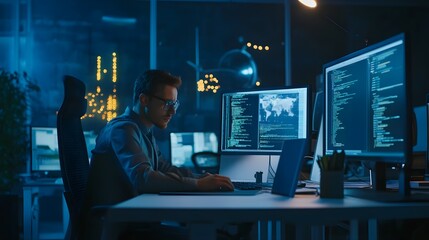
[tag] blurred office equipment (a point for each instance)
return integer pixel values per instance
(206, 162)
(45, 162)
(183, 145)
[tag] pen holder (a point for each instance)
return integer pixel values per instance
(331, 184)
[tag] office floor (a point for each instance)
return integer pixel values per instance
(388, 230)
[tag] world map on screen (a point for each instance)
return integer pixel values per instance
(276, 106)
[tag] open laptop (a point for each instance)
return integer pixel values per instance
(315, 170)
(289, 167)
(286, 175)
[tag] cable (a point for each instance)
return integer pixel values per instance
(271, 171)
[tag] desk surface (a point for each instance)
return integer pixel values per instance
(302, 209)
(41, 183)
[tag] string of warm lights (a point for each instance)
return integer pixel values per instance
(210, 83)
(112, 100)
(98, 105)
(257, 47)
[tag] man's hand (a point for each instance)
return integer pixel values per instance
(215, 182)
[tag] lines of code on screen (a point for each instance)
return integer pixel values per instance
(262, 120)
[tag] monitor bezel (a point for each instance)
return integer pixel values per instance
(259, 152)
(404, 157)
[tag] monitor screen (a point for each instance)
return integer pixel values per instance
(366, 107)
(184, 144)
(427, 139)
(420, 131)
(44, 148)
(257, 122)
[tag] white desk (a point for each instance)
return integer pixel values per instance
(31, 191)
(303, 211)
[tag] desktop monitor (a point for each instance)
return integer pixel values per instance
(184, 144)
(419, 139)
(258, 121)
(426, 176)
(367, 112)
(44, 150)
(254, 125)
(317, 112)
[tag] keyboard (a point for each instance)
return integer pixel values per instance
(247, 185)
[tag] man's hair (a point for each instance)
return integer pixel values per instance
(152, 80)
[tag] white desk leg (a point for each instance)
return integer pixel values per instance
(317, 232)
(278, 230)
(35, 210)
(31, 213)
(27, 202)
(268, 230)
(354, 230)
(372, 229)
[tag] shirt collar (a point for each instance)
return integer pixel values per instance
(136, 118)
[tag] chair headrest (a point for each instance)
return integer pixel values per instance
(74, 103)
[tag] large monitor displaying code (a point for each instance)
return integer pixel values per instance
(366, 107)
(259, 121)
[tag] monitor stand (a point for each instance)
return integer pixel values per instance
(379, 191)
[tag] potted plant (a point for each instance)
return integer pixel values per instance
(14, 144)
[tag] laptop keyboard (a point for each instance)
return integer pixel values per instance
(247, 185)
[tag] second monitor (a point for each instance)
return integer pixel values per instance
(257, 122)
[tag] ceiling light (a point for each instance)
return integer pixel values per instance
(309, 3)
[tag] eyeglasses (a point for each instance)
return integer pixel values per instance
(168, 104)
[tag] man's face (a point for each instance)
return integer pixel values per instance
(158, 113)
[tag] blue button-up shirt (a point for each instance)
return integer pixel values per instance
(128, 140)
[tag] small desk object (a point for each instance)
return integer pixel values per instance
(31, 193)
(307, 213)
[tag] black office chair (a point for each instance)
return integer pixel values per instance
(72, 151)
(89, 190)
(206, 161)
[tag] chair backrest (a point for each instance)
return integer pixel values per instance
(206, 162)
(72, 148)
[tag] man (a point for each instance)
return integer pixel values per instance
(129, 139)
(126, 160)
